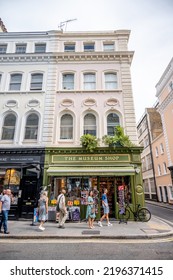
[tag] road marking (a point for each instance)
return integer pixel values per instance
(74, 241)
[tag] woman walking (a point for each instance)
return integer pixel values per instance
(90, 213)
(43, 209)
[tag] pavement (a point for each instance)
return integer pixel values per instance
(155, 228)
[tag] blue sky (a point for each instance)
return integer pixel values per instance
(150, 22)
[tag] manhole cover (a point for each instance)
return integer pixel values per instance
(91, 232)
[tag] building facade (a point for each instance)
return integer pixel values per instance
(56, 86)
(164, 93)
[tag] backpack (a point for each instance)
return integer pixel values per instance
(57, 206)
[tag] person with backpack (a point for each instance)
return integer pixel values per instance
(61, 208)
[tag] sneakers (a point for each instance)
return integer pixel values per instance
(109, 224)
(41, 228)
(100, 224)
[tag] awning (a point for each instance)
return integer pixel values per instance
(90, 170)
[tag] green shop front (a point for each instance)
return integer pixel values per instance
(118, 170)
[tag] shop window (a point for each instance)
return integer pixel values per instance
(90, 124)
(89, 81)
(31, 129)
(112, 121)
(36, 81)
(15, 82)
(66, 127)
(110, 81)
(11, 180)
(8, 128)
(68, 81)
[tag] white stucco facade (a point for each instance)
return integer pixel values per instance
(66, 53)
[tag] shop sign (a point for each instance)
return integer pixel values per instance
(20, 159)
(94, 158)
(76, 202)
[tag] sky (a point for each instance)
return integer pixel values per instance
(150, 22)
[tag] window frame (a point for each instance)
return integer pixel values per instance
(91, 84)
(3, 46)
(66, 129)
(73, 45)
(90, 131)
(39, 83)
(15, 85)
(111, 84)
(109, 49)
(22, 48)
(40, 45)
(29, 128)
(69, 84)
(9, 127)
(108, 124)
(89, 47)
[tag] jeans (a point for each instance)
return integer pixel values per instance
(4, 220)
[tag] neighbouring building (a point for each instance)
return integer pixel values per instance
(56, 86)
(154, 133)
(164, 147)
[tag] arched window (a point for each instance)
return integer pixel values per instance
(112, 121)
(66, 127)
(90, 124)
(31, 129)
(15, 82)
(110, 81)
(36, 81)
(8, 128)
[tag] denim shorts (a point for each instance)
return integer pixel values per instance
(106, 209)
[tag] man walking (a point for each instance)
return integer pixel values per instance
(5, 207)
(62, 209)
(105, 209)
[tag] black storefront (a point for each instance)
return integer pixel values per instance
(21, 171)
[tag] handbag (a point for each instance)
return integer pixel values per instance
(57, 206)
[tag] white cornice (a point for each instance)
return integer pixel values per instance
(122, 56)
(166, 102)
(164, 78)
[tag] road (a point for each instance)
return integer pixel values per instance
(87, 250)
(162, 212)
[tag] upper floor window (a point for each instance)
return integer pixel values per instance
(66, 127)
(36, 81)
(15, 81)
(89, 81)
(3, 49)
(164, 168)
(161, 148)
(21, 48)
(90, 124)
(110, 80)
(68, 81)
(157, 151)
(89, 47)
(149, 161)
(69, 47)
(40, 48)
(159, 170)
(112, 121)
(31, 128)
(8, 128)
(108, 47)
(146, 141)
(0, 78)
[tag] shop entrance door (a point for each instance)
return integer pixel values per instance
(28, 197)
(109, 184)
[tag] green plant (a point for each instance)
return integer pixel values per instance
(89, 142)
(118, 139)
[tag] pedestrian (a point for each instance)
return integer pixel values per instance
(5, 204)
(3, 192)
(90, 213)
(42, 209)
(62, 209)
(105, 209)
